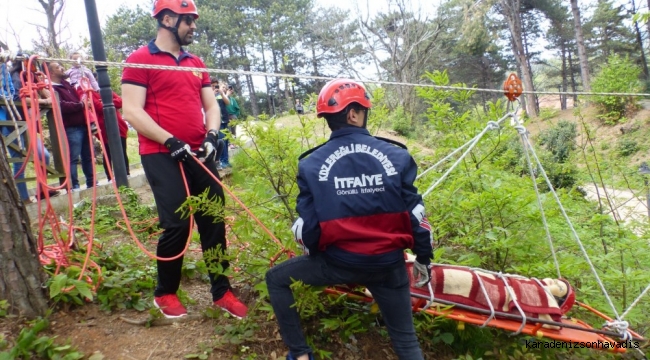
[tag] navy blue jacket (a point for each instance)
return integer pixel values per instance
(358, 204)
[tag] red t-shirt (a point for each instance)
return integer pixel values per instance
(173, 97)
(99, 113)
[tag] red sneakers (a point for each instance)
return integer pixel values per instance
(170, 306)
(232, 305)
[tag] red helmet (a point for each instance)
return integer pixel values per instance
(339, 93)
(180, 7)
(569, 298)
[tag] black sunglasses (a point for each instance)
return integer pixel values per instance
(187, 19)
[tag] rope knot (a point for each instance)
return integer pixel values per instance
(521, 129)
(620, 326)
(493, 125)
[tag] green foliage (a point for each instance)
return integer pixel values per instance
(434, 332)
(486, 213)
(106, 216)
(66, 288)
(202, 204)
(308, 301)
(203, 354)
(559, 140)
(124, 290)
(379, 112)
(237, 333)
(619, 75)
(547, 113)
(28, 345)
(127, 273)
(399, 122)
(4, 307)
(626, 147)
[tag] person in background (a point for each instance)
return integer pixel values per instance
(177, 119)
(77, 71)
(75, 124)
(233, 113)
(299, 108)
(355, 231)
(11, 85)
(121, 124)
(223, 100)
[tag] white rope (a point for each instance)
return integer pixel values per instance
(620, 327)
(471, 144)
(523, 132)
(545, 287)
(515, 300)
(635, 302)
(492, 125)
(521, 129)
(326, 78)
(487, 297)
(434, 166)
(476, 272)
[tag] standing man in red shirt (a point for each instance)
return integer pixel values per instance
(165, 109)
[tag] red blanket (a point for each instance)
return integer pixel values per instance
(461, 285)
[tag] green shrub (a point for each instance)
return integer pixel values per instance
(627, 147)
(30, 344)
(619, 75)
(559, 140)
(400, 122)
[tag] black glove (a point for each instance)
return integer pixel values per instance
(211, 148)
(178, 149)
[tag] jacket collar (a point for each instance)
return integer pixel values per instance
(348, 131)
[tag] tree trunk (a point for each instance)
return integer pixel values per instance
(21, 275)
(513, 16)
(573, 81)
(276, 83)
(266, 82)
(639, 41)
(582, 53)
(524, 37)
(648, 23)
(52, 10)
(251, 87)
(563, 98)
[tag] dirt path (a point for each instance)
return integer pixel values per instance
(94, 331)
(628, 206)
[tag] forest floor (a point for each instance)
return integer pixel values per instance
(105, 335)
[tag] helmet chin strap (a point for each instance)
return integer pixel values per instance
(365, 119)
(174, 30)
(339, 124)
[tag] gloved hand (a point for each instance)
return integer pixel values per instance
(178, 149)
(211, 148)
(94, 130)
(421, 274)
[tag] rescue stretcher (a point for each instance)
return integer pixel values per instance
(574, 332)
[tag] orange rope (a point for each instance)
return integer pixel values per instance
(58, 253)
